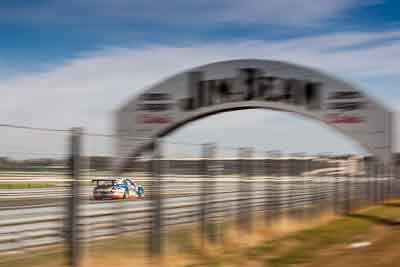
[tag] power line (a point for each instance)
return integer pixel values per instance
(126, 137)
(33, 128)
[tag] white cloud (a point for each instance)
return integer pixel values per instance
(284, 12)
(85, 91)
(181, 12)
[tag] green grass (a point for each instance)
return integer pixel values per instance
(260, 250)
(389, 211)
(26, 185)
(309, 243)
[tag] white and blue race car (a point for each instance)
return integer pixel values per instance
(117, 188)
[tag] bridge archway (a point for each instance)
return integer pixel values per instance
(249, 84)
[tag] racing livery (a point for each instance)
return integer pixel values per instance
(117, 188)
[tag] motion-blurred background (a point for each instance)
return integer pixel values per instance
(241, 188)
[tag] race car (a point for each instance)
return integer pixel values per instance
(117, 188)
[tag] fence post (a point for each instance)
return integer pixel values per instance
(314, 188)
(208, 230)
(381, 184)
(367, 167)
(396, 179)
(280, 171)
(389, 177)
(72, 219)
(156, 201)
(376, 184)
(306, 187)
(244, 218)
(267, 189)
(336, 187)
(348, 206)
(274, 186)
(392, 192)
(290, 165)
(320, 179)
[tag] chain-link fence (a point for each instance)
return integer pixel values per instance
(50, 211)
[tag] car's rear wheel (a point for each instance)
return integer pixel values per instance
(126, 194)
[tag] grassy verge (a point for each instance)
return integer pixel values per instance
(310, 243)
(330, 244)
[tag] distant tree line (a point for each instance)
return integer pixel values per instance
(179, 166)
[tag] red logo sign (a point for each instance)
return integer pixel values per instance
(338, 118)
(150, 119)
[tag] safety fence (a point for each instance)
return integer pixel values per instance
(55, 205)
(45, 225)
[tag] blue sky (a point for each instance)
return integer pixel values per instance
(41, 32)
(94, 54)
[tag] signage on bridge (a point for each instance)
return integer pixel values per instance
(245, 84)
